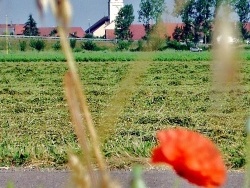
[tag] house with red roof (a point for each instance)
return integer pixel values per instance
(12, 29)
(9, 29)
(47, 31)
(248, 26)
(99, 28)
(138, 30)
(103, 26)
(17, 29)
(75, 32)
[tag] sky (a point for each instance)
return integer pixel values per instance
(85, 12)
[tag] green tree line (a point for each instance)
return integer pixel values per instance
(197, 17)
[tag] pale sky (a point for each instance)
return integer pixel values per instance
(85, 12)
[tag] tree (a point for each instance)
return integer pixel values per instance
(123, 21)
(203, 18)
(30, 28)
(53, 32)
(197, 15)
(37, 44)
(178, 33)
(187, 18)
(72, 43)
(150, 10)
(179, 6)
(242, 8)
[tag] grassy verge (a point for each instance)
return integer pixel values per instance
(14, 44)
(36, 130)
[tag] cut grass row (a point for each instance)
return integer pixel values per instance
(36, 129)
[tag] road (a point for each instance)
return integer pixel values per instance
(46, 178)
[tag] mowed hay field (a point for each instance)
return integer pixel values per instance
(35, 124)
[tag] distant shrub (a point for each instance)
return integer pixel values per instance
(56, 46)
(22, 45)
(37, 44)
(207, 47)
(140, 45)
(157, 37)
(72, 43)
(89, 35)
(247, 47)
(176, 45)
(89, 45)
(77, 49)
(123, 45)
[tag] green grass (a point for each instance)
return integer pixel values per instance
(109, 56)
(57, 56)
(104, 56)
(35, 125)
(179, 94)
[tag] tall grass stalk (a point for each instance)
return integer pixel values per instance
(77, 99)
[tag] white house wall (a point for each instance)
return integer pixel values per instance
(114, 7)
(100, 32)
(111, 25)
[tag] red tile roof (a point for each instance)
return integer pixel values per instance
(73, 31)
(2, 26)
(170, 27)
(19, 28)
(77, 32)
(138, 30)
(12, 28)
(248, 26)
(45, 31)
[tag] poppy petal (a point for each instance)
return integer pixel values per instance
(193, 156)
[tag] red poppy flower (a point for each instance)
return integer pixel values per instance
(193, 156)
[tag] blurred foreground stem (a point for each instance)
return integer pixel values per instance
(83, 105)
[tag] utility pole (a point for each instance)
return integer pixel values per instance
(6, 34)
(89, 26)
